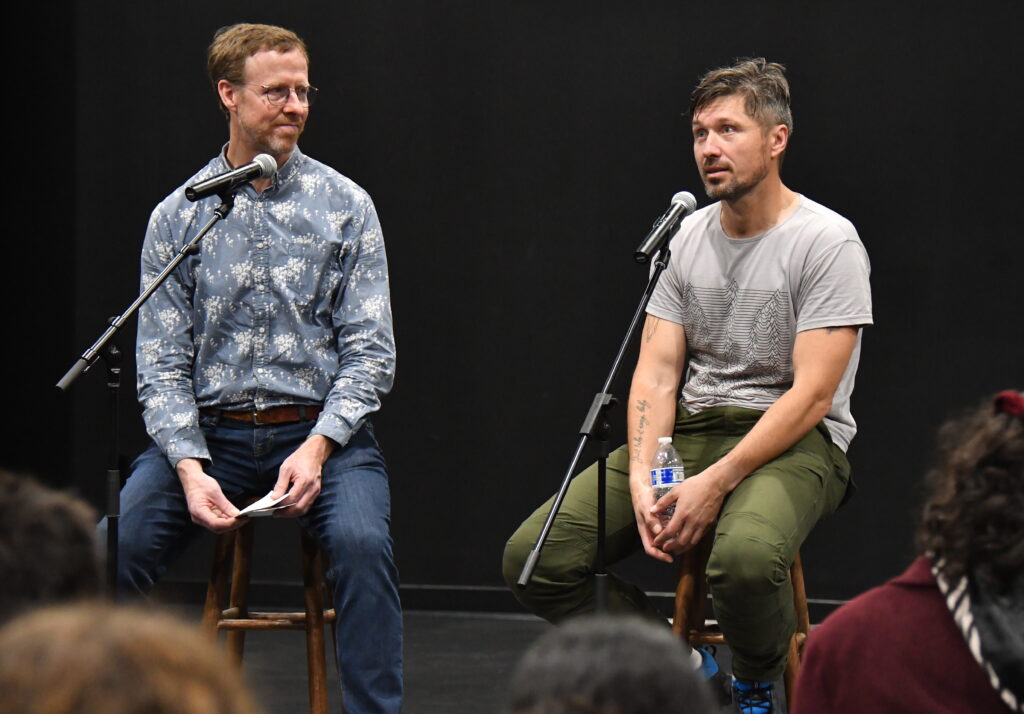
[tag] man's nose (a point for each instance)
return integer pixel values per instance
(710, 147)
(292, 105)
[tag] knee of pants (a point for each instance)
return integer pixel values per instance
(352, 552)
(746, 565)
(561, 569)
(135, 576)
(514, 558)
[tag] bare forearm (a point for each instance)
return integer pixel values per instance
(820, 357)
(794, 414)
(652, 410)
(652, 396)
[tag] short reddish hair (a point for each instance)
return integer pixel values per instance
(234, 44)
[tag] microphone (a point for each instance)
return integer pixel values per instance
(683, 204)
(263, 166)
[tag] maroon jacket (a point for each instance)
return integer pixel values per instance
(893, 649)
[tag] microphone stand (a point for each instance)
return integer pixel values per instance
(595, 426)
(105, 348)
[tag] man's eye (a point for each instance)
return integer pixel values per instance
(278, 94)
(700, 134)
(728, 129)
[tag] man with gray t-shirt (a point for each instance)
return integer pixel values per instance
(758, 314)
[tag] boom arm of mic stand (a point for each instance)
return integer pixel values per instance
(89, 356)
(104, 346)
(592, 426)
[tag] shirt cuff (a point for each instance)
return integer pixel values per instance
(191, 446)
(334, 428)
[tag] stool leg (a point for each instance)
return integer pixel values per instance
(312, 580)
(240, 589)
(691, 591)
(803, 628)
(217, 586)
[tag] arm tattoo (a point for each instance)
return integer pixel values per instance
(651, 328)
(638, 440)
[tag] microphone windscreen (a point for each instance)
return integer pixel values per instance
(686, 198)
(268, 165)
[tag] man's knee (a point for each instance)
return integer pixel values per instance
(560, 576)
(357, 555)
(747, 557)
(517, 550)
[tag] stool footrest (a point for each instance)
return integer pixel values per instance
(706, 638)
(232, 620)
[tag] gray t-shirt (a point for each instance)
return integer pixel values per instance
(742, 301)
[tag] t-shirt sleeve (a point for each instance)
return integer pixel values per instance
(834, 289)
(667, 299)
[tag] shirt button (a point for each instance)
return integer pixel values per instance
(259, 287)
(260, 244)
(262, 330)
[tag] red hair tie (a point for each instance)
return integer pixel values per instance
(1010, 402)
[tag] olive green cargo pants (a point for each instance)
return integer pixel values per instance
(759, 531)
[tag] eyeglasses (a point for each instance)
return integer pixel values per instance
(276, 96)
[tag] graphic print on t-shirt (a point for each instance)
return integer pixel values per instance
(739, 341)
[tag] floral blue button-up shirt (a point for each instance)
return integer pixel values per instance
(287, 302)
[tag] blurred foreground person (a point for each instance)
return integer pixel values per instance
(948, 634)
(607, 665)
(100, 658)
(47, 552)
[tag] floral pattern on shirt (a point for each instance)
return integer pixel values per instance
(287, 302)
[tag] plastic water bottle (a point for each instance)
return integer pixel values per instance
(666, 472)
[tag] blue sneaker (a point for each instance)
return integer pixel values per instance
(752, 697)
(708, 665)
(718, 681)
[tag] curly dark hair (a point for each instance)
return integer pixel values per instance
(47, 549)
(973, 521)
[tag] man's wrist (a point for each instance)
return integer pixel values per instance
(320, 446)
(640, 476)
(188, 468)
(725, 474)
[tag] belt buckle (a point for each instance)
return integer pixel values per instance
(256, 418)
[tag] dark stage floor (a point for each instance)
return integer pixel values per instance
(455, 663)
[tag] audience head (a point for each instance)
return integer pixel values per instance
(91, 657)
(47, 548)
(607, 665)
(974, 517)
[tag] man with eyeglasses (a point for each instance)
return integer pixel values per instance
(262, 357)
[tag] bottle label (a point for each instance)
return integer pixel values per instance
(667, 476)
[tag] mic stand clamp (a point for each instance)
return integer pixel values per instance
(104, 347)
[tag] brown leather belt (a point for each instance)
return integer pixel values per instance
(285, 414)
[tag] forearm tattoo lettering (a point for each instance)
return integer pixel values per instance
(641, 425)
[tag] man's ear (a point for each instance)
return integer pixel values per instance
(778, 139)
(228, 94)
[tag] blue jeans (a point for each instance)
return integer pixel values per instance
(349, 519)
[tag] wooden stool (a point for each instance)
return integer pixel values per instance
(233, 552)
(691, 599)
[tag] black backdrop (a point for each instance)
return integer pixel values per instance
(516, 154)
